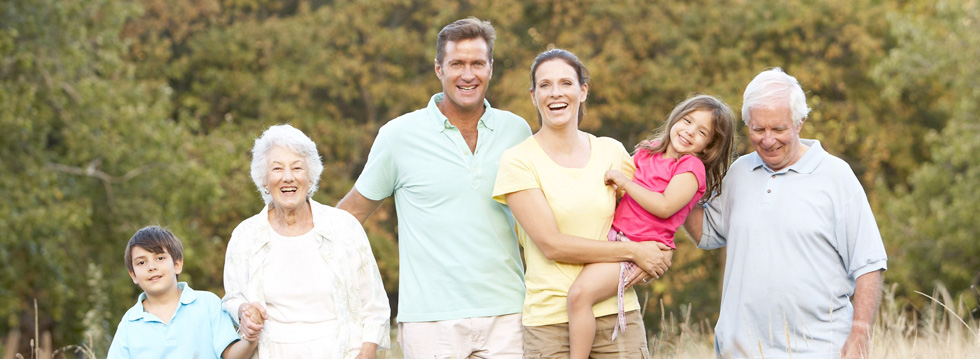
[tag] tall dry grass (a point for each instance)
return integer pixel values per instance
(941, 330)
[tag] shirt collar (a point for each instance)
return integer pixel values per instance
(187, 296)
(806, 164)
(441, 122)
(321, 226)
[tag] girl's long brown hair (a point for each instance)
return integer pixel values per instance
(719, 154)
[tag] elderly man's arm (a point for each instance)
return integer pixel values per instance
(694, 222)
(361, 207)
(867, 295)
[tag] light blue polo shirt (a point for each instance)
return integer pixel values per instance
(458, 252)
(796, 241)
(199, 329)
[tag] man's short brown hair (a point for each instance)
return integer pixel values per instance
(465, 29)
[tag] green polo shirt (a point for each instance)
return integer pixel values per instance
(458, 252)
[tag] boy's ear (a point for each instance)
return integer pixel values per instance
(178, 265)
(133, 275)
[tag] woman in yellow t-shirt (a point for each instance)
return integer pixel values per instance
(553, 183)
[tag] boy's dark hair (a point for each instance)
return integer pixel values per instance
(154, 239)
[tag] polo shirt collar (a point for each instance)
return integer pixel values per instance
(807, 164)
(187, 296)
(441, 122)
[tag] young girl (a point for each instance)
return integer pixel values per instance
(687, 158)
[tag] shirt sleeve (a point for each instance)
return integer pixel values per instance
(374, 310)
(378, 179)
(694, 165)
(714, 226)
(516, 173)
(627, 164)
(235, 274)
(119, 349)
(223, 331)
(864, 250)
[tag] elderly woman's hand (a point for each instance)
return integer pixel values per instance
(251, 317)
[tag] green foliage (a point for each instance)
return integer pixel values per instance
(932, 218)
(115, 115)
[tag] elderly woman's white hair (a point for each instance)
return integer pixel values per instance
(771, 86)
(290, 138)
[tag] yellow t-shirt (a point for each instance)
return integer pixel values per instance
(582, 205)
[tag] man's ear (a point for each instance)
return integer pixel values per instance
(800, 126)
(438, 68)
(133, 276)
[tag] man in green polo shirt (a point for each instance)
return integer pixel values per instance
(461, 284)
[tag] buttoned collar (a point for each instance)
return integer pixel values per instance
(187, 296)
(441, 122)
(806, 164)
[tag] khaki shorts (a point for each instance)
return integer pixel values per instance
(551, 341)
(480, 337)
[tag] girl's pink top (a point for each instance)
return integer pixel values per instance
(654, 172)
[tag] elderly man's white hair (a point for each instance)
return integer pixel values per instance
(770, 87)
(292, 139)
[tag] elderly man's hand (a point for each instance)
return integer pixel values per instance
(858, 342)
(653, 257)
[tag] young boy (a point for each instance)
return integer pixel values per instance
(171, 320)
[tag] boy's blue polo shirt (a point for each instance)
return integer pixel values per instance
(199, 329)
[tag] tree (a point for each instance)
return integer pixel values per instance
(89, 155)
(932, 219)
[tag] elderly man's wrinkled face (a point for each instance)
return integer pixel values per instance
(287, 179)
(774, 136)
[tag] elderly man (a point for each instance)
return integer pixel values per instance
(461, 281)
(801, 239)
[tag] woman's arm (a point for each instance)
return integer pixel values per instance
(370, 292)
(679, 191)
(531, 210)
(236, 283)
(235, 276)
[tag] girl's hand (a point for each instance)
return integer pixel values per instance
(616, 179)
(251, 317)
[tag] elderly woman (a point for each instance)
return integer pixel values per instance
(300, 275)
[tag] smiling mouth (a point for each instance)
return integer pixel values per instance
(557, 106)
(154, 278)
(288, 190)
(467, 88)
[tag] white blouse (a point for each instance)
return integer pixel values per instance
(360, 305)
(298, 290)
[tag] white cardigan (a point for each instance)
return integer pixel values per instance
(361, 304)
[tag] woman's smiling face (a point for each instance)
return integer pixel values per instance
(557, 93)
(287, 178)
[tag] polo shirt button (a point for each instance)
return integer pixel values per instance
(768, 191)
(773, 176)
